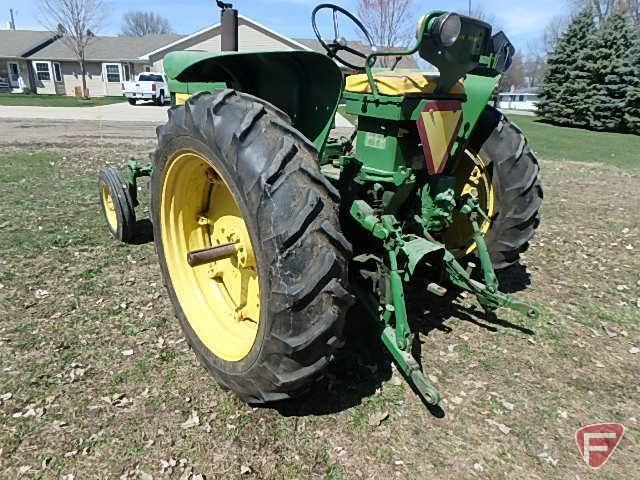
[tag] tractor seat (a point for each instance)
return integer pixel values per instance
(398, 84)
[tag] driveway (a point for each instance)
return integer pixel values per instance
(517, 112)
(117, 112)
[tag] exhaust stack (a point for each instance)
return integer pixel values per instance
(229, 22)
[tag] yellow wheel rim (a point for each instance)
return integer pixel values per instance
(109, 208)
(220, 300)
(472, 176)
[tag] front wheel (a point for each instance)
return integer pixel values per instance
(265, 317)
(117, 205)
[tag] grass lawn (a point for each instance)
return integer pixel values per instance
(561, 143)
(30, 100)
(98, 382)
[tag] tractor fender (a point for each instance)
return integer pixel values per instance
(304, 84)
(479, 90)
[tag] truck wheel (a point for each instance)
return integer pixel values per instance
(117, 205)
(132, 101)
(160, 99)
(266, 317)
(501, 167)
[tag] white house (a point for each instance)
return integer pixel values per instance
(523, 99)
(53, 68)
(252, 36)
(109, 62)
(49, 66)
(15, 45)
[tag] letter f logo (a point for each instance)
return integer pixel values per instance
(598, 442)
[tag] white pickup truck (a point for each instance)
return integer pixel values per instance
(147, 86)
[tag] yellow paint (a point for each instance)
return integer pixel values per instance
(441, 128)
(397, 84)
(472, 177)
(109, 208)
(220, 300)
(181, 98)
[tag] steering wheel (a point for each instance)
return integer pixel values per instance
(339, 43)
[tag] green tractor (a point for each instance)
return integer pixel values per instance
(268, 230)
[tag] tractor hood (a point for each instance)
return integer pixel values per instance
(306, 85)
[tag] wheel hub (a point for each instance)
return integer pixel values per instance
(220, 299)
(474, 179)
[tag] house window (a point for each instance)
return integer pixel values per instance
(57, 72)
(42, 71)
(112, 72)
(127, 72)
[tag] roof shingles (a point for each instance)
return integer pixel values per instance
(107, 48)
(17, 43)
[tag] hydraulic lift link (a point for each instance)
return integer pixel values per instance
(398, 337)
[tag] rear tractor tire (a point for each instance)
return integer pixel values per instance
(265, 317)
(117, 205)
(501, 167)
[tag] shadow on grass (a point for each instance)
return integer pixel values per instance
(357, 371)
(363, 365)
(514, 279)
(144, 232)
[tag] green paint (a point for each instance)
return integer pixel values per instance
(305, 85)
(380, 171)
(134, 171)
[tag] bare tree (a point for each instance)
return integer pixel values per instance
(139, 24)
(534, 68)
(389, 22)
(76, 21)
(514, 78)
(552, 33)
(603, 9)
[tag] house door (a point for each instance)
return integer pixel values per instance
(112, 77)
(44, 78)
(14, 75)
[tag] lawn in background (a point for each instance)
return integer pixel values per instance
(31, 100)
(562, 143)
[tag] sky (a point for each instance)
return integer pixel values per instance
(522, 20)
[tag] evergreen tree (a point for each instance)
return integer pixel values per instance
(604, 62)
(562, 100)
(631, 73)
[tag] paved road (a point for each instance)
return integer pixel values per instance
(118, 112)
(517, 112)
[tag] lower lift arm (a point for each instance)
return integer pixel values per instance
(396, 335)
